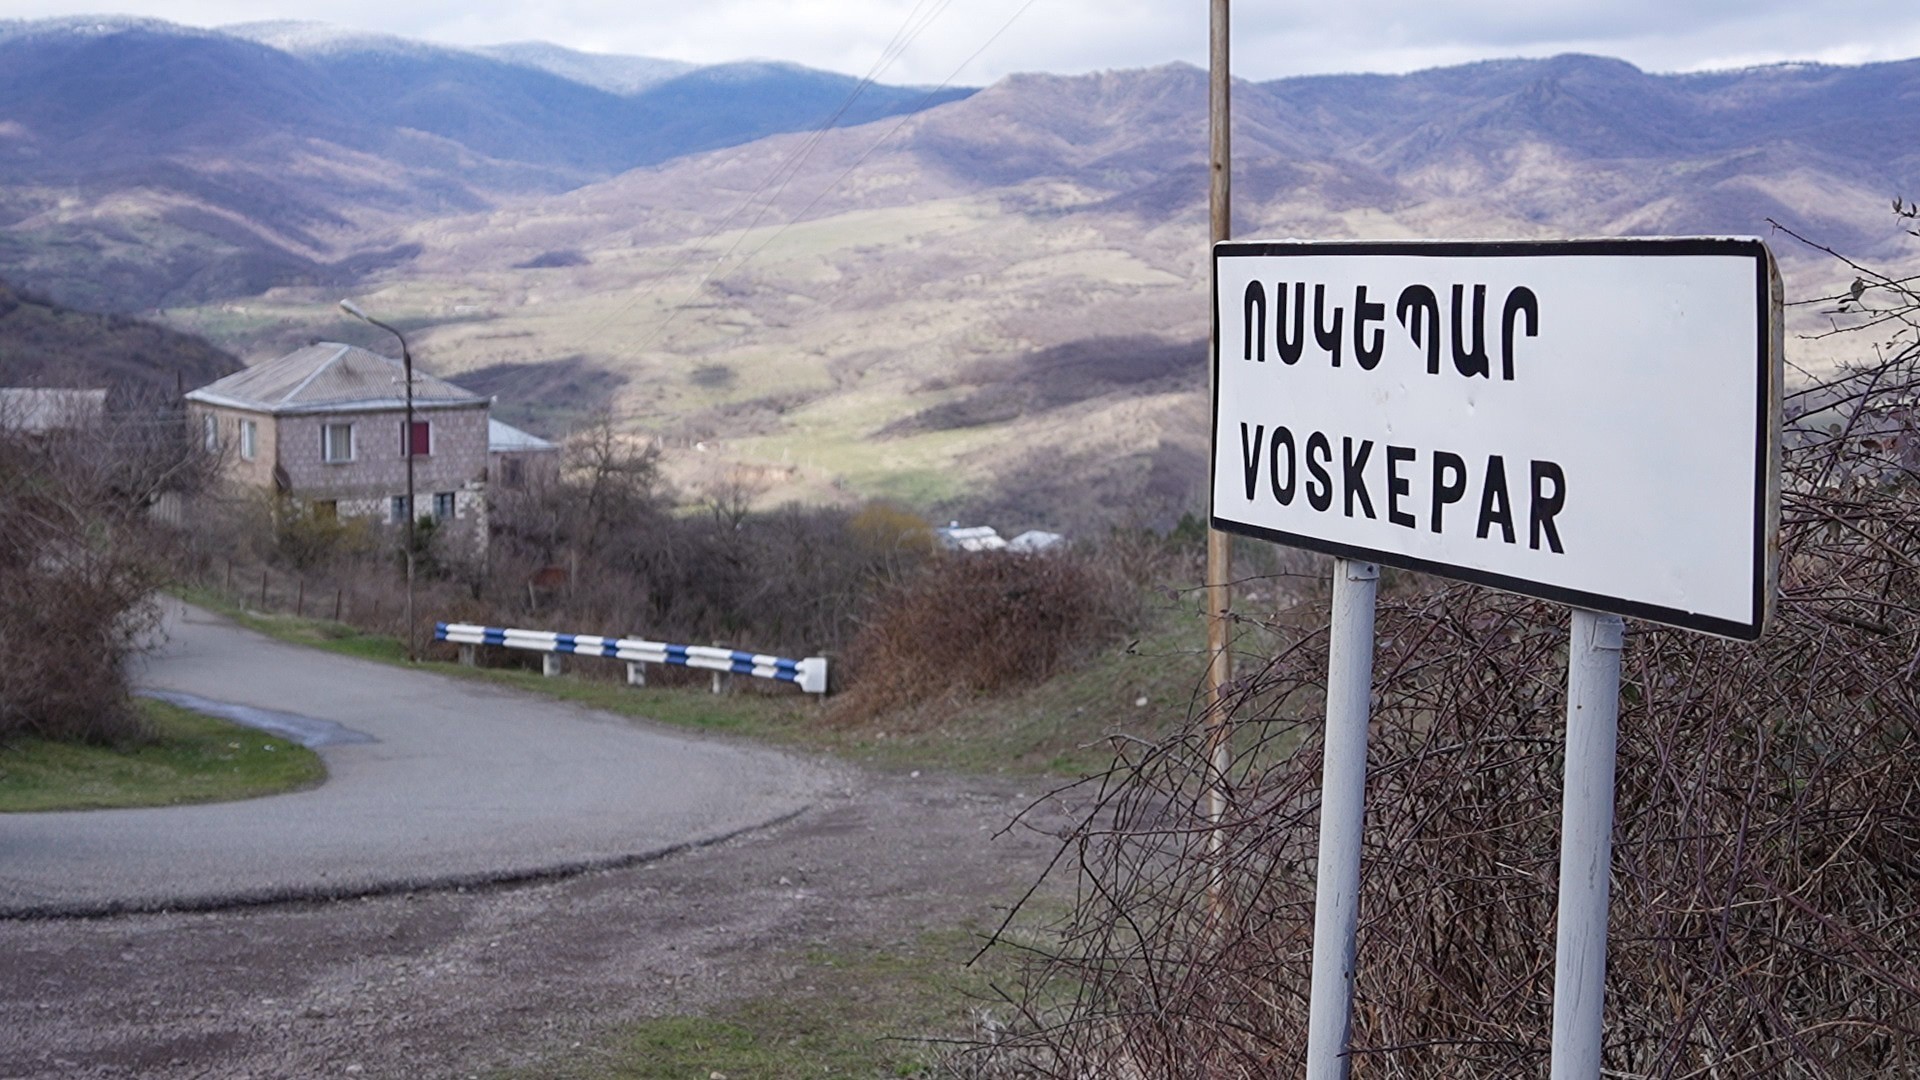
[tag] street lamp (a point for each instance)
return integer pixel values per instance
(406, 442)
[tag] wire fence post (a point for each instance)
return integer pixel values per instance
(1336, 905)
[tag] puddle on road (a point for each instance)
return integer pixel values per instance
(308, 731)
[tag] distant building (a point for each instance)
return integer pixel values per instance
(517, 461)
(1035, 540)
(325, 426)
(37, 411)
(958, 537)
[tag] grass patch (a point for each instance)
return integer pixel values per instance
(318, 633)
(847, 1012)
(189, 758)
(1066, 725)
(1039, 732)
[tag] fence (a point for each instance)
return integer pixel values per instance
(809, 674)
(359, 599)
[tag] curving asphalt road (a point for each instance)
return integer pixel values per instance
(432, 782)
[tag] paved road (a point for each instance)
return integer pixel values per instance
(460, 782)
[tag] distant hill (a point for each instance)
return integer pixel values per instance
(908, 315)
(144, 164)
(44, 344)
(1562, 146)
(931, 307)
(617, 74)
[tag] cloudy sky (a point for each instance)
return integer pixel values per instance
(976, 41)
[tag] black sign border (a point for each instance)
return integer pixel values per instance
(1766, 427)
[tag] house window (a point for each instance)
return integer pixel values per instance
(511, 473)
(249, 439)
(397, 510)
(211, 425)
(443, 505)
(422, 439)
(336, 443)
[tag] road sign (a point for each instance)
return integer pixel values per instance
(1591, 422)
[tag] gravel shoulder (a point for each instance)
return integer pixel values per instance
(537, 976)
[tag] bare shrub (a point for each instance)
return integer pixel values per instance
(1766, 899)
(603, 550)
(77, 558)
(306, 539)
(969, 624)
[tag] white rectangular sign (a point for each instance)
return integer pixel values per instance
(1590, 422)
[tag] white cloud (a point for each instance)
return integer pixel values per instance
(1272, 39)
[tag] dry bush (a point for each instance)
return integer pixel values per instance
(78, 566)
(597, 548)
(792, 580)
(969, 624)
(1766, 878)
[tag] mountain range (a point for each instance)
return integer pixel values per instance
(995, 301)
(165, 164)
(1000, 304)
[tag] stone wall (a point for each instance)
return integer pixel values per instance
(257, 472)
(365, 486)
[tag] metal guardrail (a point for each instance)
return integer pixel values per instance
(809, 674)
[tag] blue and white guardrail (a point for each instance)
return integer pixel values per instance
(809, 674)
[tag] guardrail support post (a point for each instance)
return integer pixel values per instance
(550, 664)
(467, 657)
(636, 673)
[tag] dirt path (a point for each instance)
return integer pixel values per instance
(464, 983)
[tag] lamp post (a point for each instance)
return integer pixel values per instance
(406, 443)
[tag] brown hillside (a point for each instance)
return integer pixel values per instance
(44, 344)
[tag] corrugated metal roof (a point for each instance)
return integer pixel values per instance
(1035, 540)
(507, 439)
(328, 376)
(957, 537)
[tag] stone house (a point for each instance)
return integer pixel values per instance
(517, 461)
(325, 425)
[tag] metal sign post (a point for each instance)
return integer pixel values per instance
(1591, 422)
(1586, 843)
(1343, 770)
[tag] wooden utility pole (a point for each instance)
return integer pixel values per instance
(1219, 549)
